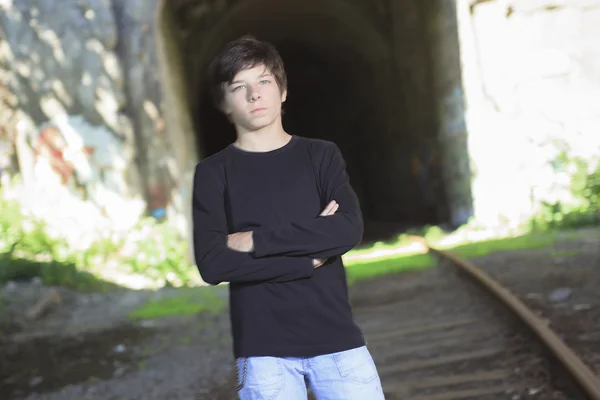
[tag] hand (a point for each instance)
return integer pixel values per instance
(330, 209)
(240, 241)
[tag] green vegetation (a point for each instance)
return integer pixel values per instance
(156, 251)
(361, 269)
(532, 241)
(583, 209)
(550, 224)
(52, 273)
(187, 302)
(27, 251)
(357, 270)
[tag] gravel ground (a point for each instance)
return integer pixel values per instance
(87, 348)
(560, 283)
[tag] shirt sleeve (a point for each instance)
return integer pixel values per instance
(218, 263)
(321, 237)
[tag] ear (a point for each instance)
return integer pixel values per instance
(284, 96)
(225, 109)
(223, 104)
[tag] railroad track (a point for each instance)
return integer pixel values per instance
(452, 333)
(438, 335)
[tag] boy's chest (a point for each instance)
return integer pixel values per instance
(265, 194)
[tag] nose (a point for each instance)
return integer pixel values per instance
(253, 95)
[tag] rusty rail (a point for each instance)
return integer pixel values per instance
(581, 373)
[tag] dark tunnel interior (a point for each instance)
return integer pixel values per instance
(322, 102)
(333, 95)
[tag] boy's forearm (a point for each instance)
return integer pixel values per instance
(218, 263)
(322, 237)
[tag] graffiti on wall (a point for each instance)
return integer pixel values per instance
(50, 147)
(89, 161)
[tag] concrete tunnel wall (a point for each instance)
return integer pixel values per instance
(108, 77)
(122, 82)
(387, 90)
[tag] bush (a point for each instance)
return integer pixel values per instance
(27, 250)
(585, 190)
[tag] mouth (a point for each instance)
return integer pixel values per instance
(257, 110)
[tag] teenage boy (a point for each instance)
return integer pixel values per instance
(272, 214)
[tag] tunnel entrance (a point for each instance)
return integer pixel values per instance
(344, 86)
(327, 99)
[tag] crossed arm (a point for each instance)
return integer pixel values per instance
(335, 231)
(216, 261)
(276, 253)
(243, 241)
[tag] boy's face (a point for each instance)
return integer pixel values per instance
(253, 99)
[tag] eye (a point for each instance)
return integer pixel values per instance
(237, 87)
(265, 81)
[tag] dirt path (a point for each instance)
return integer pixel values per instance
(445, 338)
(89, 349)
(562, 284)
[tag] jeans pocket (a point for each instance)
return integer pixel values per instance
(259, 377)
(356, 365)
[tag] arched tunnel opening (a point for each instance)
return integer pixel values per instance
(343, 86)
(327, 99)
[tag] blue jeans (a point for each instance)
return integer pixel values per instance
(347, 375)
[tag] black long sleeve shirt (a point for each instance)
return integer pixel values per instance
(279, 304)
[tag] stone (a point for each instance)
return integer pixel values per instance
(119, 348)
(119, 372)
(560, 294)
(580, 307)
(36, 381)
(47, 301)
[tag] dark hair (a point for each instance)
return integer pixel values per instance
(243, 53)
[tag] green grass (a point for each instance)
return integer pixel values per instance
(358, 270)
(486, 247)
(431, 233)
(192, 301)
(364, 269)
(52, 273)
(188, 301)
(529, 241)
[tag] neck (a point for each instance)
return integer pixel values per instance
(270, 137)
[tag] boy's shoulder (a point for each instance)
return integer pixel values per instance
(318, 146)
(213, 163)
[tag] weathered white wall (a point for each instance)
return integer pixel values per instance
(531, 72)
(85, 81)
(89, 69)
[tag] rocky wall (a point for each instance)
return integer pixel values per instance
(531, 73)
(448, 112)
(426, 54)
(85, 110)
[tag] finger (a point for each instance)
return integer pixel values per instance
(328, 208)
(333, 209)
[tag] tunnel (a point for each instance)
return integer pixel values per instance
(345, 84)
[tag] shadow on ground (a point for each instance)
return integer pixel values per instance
(50, 363)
